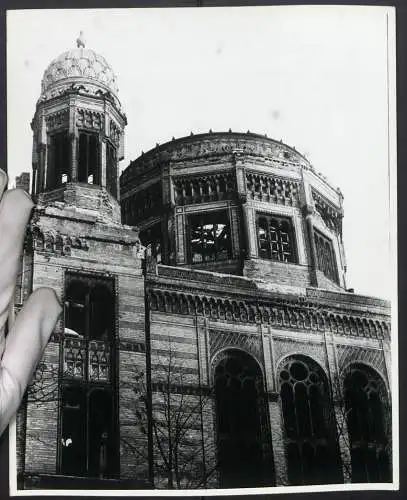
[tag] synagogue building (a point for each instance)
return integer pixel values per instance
(209, 338)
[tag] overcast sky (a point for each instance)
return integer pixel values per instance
(315, 77)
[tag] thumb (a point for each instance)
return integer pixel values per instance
(25, 344)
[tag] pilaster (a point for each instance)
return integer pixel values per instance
(277, 436)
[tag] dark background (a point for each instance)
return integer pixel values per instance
(401, 29)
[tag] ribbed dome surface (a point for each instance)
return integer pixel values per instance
(80, 63)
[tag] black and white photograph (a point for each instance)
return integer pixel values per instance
(214, 211)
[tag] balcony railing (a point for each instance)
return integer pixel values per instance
(86, 359)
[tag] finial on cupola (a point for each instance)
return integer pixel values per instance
(80, 41)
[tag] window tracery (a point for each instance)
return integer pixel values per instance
(312, 453)
(275, 236)
(242, 427)
(368, 417)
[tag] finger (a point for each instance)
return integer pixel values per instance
(25, 344)
(3, 182)
(15, 209)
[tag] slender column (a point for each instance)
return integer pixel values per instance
(74, 164)
(245, 228)
(34, 180)
(42, 149)
(103, 163)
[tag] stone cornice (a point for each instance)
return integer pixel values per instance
(238, 288)
(212, 144)
(280, 314)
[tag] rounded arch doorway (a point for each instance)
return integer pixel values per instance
(243, 437)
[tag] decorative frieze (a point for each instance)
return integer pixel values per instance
(272, 189)
(217, 144)
(89, 119)
(296, 316)
(60, 119)
(54, 242)
(114, 132)
(201, 189)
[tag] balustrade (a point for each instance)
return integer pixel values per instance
(86, 360)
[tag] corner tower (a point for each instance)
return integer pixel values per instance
(78, 134)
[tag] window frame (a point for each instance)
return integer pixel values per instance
(97, 174)
(209, 214)
(276, 246)
(58, 149)
(86, 383)
(153, 235)
(329, 267)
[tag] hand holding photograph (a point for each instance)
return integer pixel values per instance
(214, 336)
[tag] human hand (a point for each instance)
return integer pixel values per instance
(21, 350)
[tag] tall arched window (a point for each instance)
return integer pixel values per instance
(310, 437)
(242, 423)
(275, 237)
(369, 423)
(88, 432)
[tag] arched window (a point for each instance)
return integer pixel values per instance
(88, 444)
(326, 256)
(275, 236)
(312, 452)
(368, 415)
(242, 423)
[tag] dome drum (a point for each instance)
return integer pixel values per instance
(237, 206)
